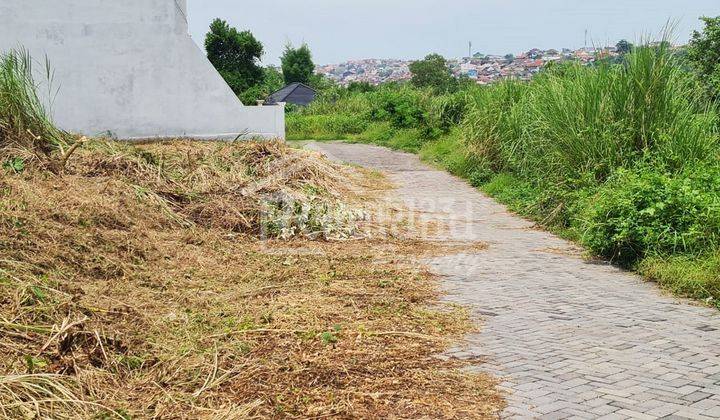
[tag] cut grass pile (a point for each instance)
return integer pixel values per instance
(261, 188)
(135, 284)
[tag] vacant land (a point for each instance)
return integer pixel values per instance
(134, 283)
(210, 280)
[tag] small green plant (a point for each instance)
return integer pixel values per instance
(328, 338)
(15, 165)
(131, 362)
(34, 364)
(38, 293)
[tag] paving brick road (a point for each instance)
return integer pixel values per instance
(569, 338)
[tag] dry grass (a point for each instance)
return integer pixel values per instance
(233, 186)
(135, 284)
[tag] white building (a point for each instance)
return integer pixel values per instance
(129, 68)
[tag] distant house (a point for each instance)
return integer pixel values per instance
(294, 93)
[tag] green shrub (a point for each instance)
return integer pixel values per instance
(401, 107)
(376, 115)
(646, 211)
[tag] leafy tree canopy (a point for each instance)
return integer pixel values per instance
(704, 52)
(297, 64)
(624, 47)
(272, 82)
(321, 83)
(235, 55)
(432, 72)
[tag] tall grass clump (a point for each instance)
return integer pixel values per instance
(574, 120)
(24, 119)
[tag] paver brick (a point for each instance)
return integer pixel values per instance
(635, 414)
(696, 396)
(664, 410)
(604, 409)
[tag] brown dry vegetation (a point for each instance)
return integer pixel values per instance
(134, 283)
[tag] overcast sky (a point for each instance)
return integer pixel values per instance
(340, 30)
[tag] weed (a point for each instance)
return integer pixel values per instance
(14, 164)
(328, 338)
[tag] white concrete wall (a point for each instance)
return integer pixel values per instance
(268, 121)
(130, 68)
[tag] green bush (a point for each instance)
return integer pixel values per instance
(403, 107)
(647, 211)
(378, 114)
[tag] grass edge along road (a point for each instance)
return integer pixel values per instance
(620, 157)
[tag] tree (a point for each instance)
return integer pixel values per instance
(624, 47)
(321, 83)
(273, 79)
(235, 55)
(704, 53)
(272, 82)
(297, 64)
(433, 72)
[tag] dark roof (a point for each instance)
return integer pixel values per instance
(294, 93)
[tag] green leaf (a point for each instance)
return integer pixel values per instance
(16, 165)
(38, 293)
(328, 338)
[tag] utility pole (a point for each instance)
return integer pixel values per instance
(470, 49)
